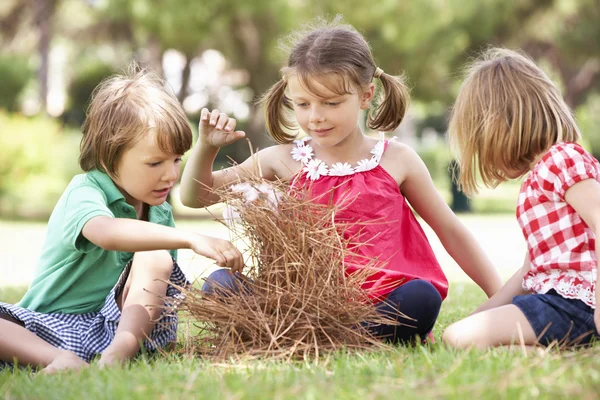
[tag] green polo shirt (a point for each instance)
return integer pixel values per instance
(73, 275)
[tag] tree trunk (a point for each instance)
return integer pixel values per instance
(44, 13)
(249, 37)
(156, 55)
(185, 78)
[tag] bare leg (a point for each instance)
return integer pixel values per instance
(18, 343)
(140, 304)
(501, 326)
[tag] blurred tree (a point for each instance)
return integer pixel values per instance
(34, 14)
(44, 11)
(84, 81)
(252, 45)
(245, 32)
(430, 40)
(14, 75)
(568, 37)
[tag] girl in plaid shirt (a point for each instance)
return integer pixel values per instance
(510, 120)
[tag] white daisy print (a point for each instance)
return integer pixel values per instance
(315, 169)
(250, 193)
(302, 153)
(377, 151)
(241, 187)
(273, 195)
(300, 142)
(366, 165)
(339, 169)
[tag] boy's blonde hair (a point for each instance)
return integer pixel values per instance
(507, 113)
(124, 108)
(323, 52)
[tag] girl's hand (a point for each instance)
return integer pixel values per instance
(217, 129)
(222, 251)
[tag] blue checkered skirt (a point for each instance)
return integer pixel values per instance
(88, 335)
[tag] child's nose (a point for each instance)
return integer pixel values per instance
(316, 115)
(172, 172)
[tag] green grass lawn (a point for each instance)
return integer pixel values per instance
(403, 373)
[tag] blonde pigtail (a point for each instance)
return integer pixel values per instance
(276, 105)
(392, 104)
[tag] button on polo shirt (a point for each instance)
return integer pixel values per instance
(73, 275)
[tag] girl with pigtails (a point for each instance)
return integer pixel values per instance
(328, 81)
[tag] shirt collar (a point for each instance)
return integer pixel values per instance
(113, 194)
(107, 185)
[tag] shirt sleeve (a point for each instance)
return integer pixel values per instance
(82, 204)
(563, 168)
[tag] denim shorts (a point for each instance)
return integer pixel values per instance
(570, 322)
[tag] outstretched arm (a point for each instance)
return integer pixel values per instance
(513, 287)
(419, 190)
(122, 234)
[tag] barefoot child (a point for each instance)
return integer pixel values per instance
(327, 83)
(510, 120)
(111, 242)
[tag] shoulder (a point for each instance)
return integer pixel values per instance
(563, 165)
(399, 160)
(278, 160)
(82, 187)
(562, 157)
(397, 150)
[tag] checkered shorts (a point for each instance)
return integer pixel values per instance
(88, 335)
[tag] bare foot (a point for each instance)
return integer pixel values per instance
(66, 360)
(110, 358)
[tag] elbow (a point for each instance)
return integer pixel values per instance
(453, 236)
(185, 197)
(186, 201)
(193, 202)
(191, 199)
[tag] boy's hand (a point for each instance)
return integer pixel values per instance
(217, 129)
(222, 251)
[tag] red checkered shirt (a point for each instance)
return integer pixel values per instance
(561, 246)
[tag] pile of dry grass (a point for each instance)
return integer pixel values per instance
(298, 302)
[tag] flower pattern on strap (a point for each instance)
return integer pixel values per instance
(316, 168)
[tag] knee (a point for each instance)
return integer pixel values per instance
(455, 336)
(157, 263)
(221, 279)
(424, 294)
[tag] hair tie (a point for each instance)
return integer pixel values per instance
(284, 78)
(378, 73)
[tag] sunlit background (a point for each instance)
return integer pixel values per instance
(224, 54)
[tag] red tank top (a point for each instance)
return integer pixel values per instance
(376, 216)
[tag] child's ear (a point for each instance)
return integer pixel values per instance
(367, 96)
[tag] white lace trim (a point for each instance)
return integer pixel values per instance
(316, 168)
(564, 282)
